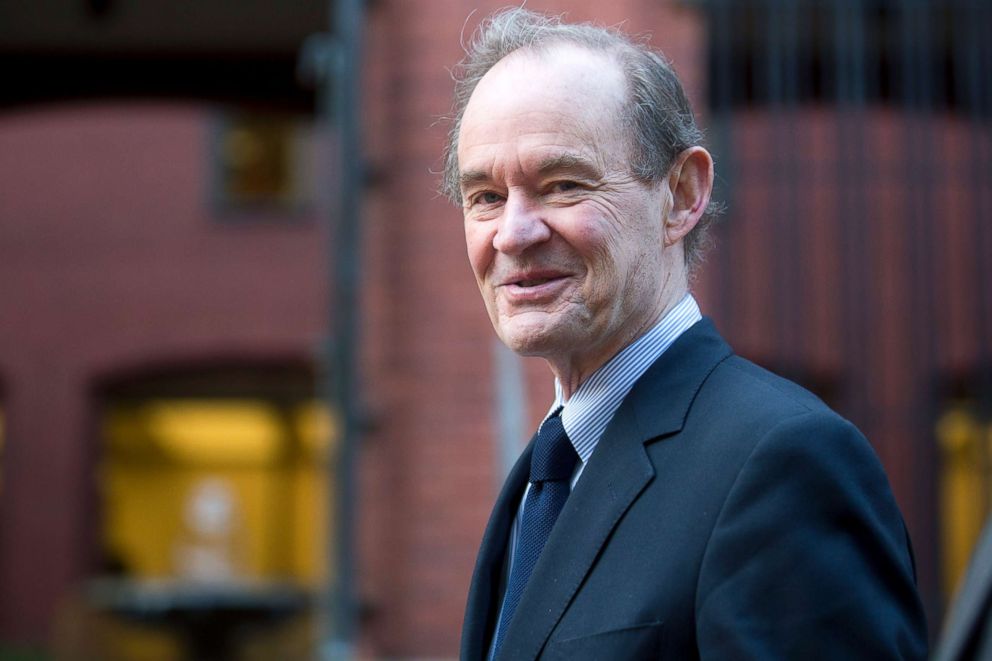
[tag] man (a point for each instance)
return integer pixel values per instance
(678, 502)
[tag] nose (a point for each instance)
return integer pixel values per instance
(521, 226)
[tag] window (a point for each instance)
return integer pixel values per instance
(261, 162)
(212, 477)
(889, 52)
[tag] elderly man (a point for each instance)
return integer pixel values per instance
(678, 501)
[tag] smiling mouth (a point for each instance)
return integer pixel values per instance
(534, 288)
(535, 282)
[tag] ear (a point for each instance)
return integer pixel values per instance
(690, 181)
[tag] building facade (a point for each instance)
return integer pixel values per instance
(165, 290)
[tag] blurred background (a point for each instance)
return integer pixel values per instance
(251, 406)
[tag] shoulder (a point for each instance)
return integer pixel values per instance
(771, 438)
(750, 402)
(806, 490)
(783, 424)
(741, 381)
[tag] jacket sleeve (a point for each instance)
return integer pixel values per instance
(809, 557)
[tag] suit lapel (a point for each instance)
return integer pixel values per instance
(615, 475)
(479, 611)
(601, 496)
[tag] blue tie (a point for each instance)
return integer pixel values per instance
(551, 467)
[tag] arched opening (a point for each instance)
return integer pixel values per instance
(213, 496)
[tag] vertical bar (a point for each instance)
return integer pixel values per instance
(342, 382)
(850, 313)
(861, 234)
(780, 67)
(855, 268)
(773, 51)
(972, 20)
(977, 84)
(722, 102)
(917, 93)
(857, 43)
(980, 82)
(778, 179)
(792, 162)
(511, 410)
(983, 140)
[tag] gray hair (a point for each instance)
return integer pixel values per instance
(657, 116)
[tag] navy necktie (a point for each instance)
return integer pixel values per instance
(551, 467)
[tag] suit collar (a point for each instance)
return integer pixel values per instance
(615, 475)
(660, 401)
(592, 406)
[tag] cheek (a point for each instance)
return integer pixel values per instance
(620, 264)
(634, 243)
(602, 247)
(479, 245)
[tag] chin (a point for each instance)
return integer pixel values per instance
(533, 341)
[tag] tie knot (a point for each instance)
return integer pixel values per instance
(554, 457)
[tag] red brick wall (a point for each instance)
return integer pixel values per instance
(110, 260)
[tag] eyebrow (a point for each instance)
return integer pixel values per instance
(569, 162)
(566, 162)
(471, 177)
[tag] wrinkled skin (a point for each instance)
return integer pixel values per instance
(575, 258)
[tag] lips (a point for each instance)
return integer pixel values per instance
(533, 282)
(530, 288)
(531, 278)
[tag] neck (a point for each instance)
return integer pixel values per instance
(571, 371)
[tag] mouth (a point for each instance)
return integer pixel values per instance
(532, 279)
(535, 282)
(534, 287)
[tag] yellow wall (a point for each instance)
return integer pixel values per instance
(965, 488)
(266, 465)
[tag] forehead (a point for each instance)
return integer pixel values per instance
(566, 96)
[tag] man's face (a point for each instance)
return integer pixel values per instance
(566, 245)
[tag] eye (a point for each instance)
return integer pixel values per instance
(485, 198)
(563, 186)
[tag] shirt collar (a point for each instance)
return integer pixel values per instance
(589, 410)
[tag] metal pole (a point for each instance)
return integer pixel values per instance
(917, 33)
(344, 252)
(332, 62)
(511, 409)
(722, 132)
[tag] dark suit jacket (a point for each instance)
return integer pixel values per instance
(968, 632)
(725, 514)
